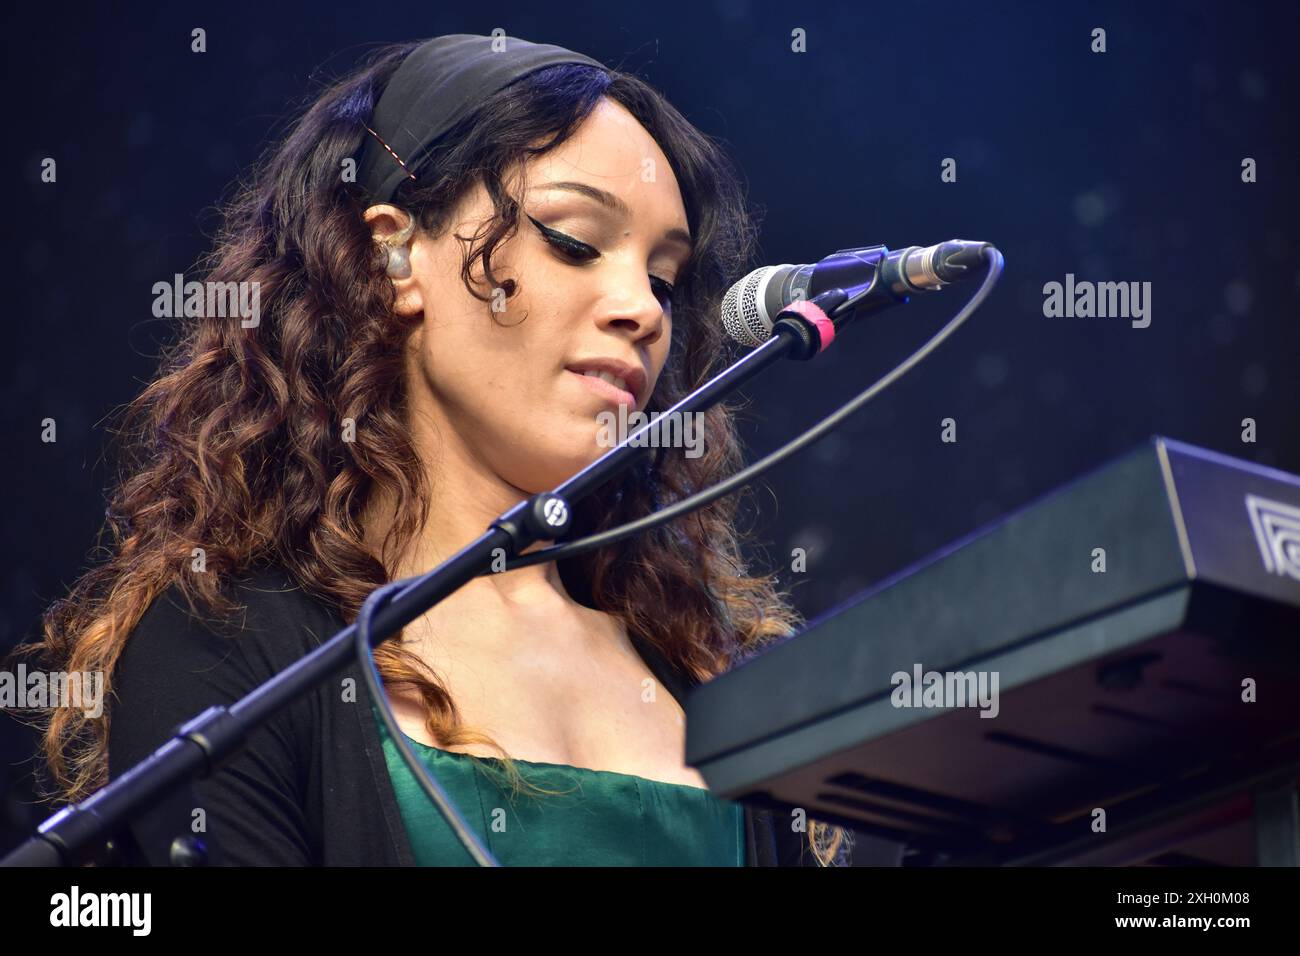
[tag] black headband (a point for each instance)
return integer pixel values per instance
(442, 81)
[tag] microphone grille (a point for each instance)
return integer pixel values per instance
(743, 315)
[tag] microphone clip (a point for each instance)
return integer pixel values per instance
(809, 323)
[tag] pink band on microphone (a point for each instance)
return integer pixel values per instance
(812, 313)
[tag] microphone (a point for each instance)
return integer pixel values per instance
(872, 276)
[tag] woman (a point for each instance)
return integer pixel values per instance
(464, 253)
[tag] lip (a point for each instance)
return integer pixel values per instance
(610, 393)
(633, 375)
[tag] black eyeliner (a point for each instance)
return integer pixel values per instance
(581, 248)
(561, 238)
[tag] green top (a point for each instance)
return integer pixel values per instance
(600, 818)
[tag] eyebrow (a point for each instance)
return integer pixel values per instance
(615, 204)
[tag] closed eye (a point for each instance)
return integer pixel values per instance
(577, 252)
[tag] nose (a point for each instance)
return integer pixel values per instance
(636, 311)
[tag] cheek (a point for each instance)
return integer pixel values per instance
(495, 378)
(483, 367)
(659, 352)
(478, 356)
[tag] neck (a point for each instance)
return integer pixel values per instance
(466, 496)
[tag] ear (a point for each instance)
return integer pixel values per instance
(395, 229)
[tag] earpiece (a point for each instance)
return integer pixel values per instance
(399, 252)
(399, 262)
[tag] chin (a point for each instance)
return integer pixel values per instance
(545, 472)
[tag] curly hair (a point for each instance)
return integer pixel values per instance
(235, 446)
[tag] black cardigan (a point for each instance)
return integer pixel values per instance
(312, 786)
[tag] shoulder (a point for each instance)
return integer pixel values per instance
(272, 618)
(180, 658)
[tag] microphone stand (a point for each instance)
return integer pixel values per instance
(201, 745)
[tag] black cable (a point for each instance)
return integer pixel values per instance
(743, 477)
(468, 838)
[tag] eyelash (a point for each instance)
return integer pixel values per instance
(581, 252)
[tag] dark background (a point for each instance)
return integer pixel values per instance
(1122, 166)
